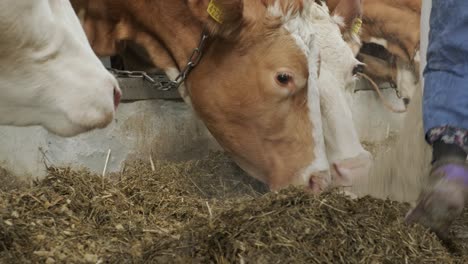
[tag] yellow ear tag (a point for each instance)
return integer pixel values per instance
(357, 25)
(215, 12)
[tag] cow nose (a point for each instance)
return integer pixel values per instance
(117, 96)
(313, 186)
(406, 101)
(318, 182)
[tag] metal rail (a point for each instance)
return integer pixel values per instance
(140, 85)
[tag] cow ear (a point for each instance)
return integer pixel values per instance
(351, 13)
(222, 18)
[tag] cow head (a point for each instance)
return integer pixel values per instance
(258, 87)
(390, 31)
(49, 75)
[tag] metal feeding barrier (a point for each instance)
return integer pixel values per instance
(141, 85)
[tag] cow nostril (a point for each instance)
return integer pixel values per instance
(314, 186)
(117, 96)
(406, 101)
(311, 183)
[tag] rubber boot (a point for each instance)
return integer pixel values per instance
(443, 197)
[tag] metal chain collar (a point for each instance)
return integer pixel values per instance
(161, 82)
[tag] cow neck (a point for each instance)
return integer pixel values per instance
(185, 40)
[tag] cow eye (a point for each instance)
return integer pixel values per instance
(283, 78)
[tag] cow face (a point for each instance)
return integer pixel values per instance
(259, 86)
(49, 74)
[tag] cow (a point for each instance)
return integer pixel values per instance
(261, 75)
(49, 74)
(394, 26)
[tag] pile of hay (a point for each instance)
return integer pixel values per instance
(204, 211)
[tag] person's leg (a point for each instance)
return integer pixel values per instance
(445, 113)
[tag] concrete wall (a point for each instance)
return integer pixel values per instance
(167, 130)
(373, 121)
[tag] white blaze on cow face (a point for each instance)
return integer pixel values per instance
(317, 174)
(49, 75)
(343, 152)
(407, 79)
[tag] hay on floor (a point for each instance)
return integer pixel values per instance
(205, 211)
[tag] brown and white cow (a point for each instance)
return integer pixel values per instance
(271, 71)
(394, 26)
(49, 75)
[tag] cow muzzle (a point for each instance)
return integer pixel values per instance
(319, 182)
(117, 97)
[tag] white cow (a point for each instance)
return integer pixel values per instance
(49, 75)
